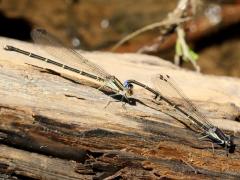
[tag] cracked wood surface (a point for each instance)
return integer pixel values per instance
(54, 125)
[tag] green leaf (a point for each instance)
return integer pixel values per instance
(194, 56)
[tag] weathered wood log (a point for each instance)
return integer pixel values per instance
(53, 124)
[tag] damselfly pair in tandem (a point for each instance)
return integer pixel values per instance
(71, 60)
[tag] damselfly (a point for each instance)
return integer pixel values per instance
(167, 90)
(71, 60)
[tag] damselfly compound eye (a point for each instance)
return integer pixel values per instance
(130, 86)
(127, 85)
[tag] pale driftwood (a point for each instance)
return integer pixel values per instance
(54, 126)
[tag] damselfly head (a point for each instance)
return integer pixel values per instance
(129, 88)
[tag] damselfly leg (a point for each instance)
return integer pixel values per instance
(121, 100)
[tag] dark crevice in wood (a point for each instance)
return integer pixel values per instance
(237, 118)
(3, 167)
(51, 122)
(7, 107)
(56, 149)
(50, 71)
(8, 177)
(71, 96)
(71, 130)
(50, 126)
(23, 177)
(101, 133)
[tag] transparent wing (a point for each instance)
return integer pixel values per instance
(169, 89)
(65, 55)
